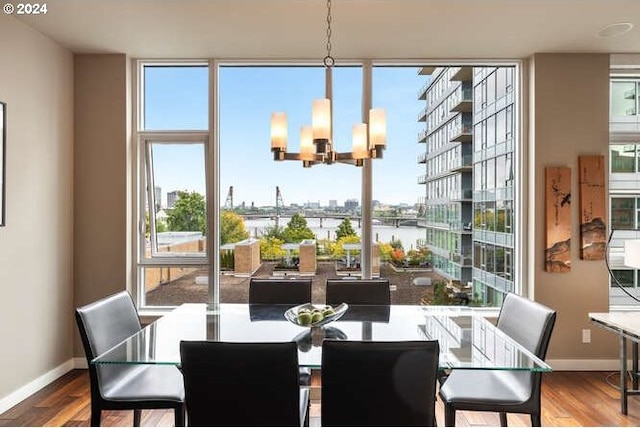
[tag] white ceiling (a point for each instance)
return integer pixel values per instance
(393, 29)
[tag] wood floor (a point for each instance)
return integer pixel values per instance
(568, 399)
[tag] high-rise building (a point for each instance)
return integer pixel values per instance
(333, 204)
(157, 195)
(624, 185)
(468, 158)
(351, 205)
(172, 197)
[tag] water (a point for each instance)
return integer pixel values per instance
(408, 235)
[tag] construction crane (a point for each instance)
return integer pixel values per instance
(279, 206)
(228, 204)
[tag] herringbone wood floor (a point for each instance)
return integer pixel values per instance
(568, 399)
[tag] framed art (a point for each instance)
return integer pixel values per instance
(558, 219)
(593, 228)
(3, 152)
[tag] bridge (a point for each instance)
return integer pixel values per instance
(396, 221)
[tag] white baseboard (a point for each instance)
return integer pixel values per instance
(586, 365)
(35, 385)
(80, 363)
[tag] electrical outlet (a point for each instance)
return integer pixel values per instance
(586, 335)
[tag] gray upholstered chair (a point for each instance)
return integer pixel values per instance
(104, 324)
(358, 291)
(242, 384)
(379, 383)
(530, 324)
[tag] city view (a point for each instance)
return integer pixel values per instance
(443, 195)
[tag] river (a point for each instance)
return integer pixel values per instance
(408, 235)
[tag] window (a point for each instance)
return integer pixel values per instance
(624, 98)
(199, 172)
(624, 158)
(172, 157)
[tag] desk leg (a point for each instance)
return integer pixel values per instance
(634, 362)
(623, 374)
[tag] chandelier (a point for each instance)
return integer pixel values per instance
(316, 141)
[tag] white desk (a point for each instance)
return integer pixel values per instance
(627, 326)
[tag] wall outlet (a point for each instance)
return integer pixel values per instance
(586, 335)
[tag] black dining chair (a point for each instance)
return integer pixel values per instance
(358, 291)
(279, 291)
(267, 291)
(529, 323)
(242, 384)
(102, 325)
(379, 383)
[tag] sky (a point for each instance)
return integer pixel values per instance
(176, 98)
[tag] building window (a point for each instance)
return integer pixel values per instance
(624, 158)
(624, 98)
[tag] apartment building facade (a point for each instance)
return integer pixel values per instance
(469, 124)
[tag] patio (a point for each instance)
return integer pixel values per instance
(236, 289)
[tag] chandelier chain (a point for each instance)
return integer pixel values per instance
(328, 60)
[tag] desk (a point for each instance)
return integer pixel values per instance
(627, 326)
(467, 340)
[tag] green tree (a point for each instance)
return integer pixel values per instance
(271, 248)
(273, 232)
(297, 229)
(337, 249)
(345, 229)
(232, 228)
(188, 214)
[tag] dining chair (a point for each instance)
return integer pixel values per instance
(379, 383)
(102, 325)
(242, 384)
(279, 291)
(267, 291)
(358, 291)
(530, 324)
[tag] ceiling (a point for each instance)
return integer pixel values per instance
(296, 29)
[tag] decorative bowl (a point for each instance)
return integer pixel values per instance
(292, 314)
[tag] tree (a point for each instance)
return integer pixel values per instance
(271, 248)
(345, 229)
(297, 229)
(188, 214)
(232, 228)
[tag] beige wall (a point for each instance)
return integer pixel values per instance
(101, 208)
(36, 291)
(569, 116)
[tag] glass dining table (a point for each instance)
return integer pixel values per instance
(467, 338)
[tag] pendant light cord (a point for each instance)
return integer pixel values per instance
(328, 60)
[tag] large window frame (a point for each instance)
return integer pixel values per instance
(210, 137)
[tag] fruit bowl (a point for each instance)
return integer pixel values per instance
(314, 320)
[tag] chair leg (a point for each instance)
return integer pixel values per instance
(536, 420)
(503, 419)
(179, 414)
(95, 415)
(137, 413)
(449, 415)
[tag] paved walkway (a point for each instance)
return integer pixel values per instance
(236, 289)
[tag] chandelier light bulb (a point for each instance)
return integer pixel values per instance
(279, 131)
(321, 119)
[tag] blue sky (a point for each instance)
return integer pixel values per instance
(177, 99)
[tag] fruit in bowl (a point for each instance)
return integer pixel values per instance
(304, 317)
(313, 316)
(328, 311)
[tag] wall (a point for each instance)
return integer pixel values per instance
(36, 320)
(101, 205)
(569, 116)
